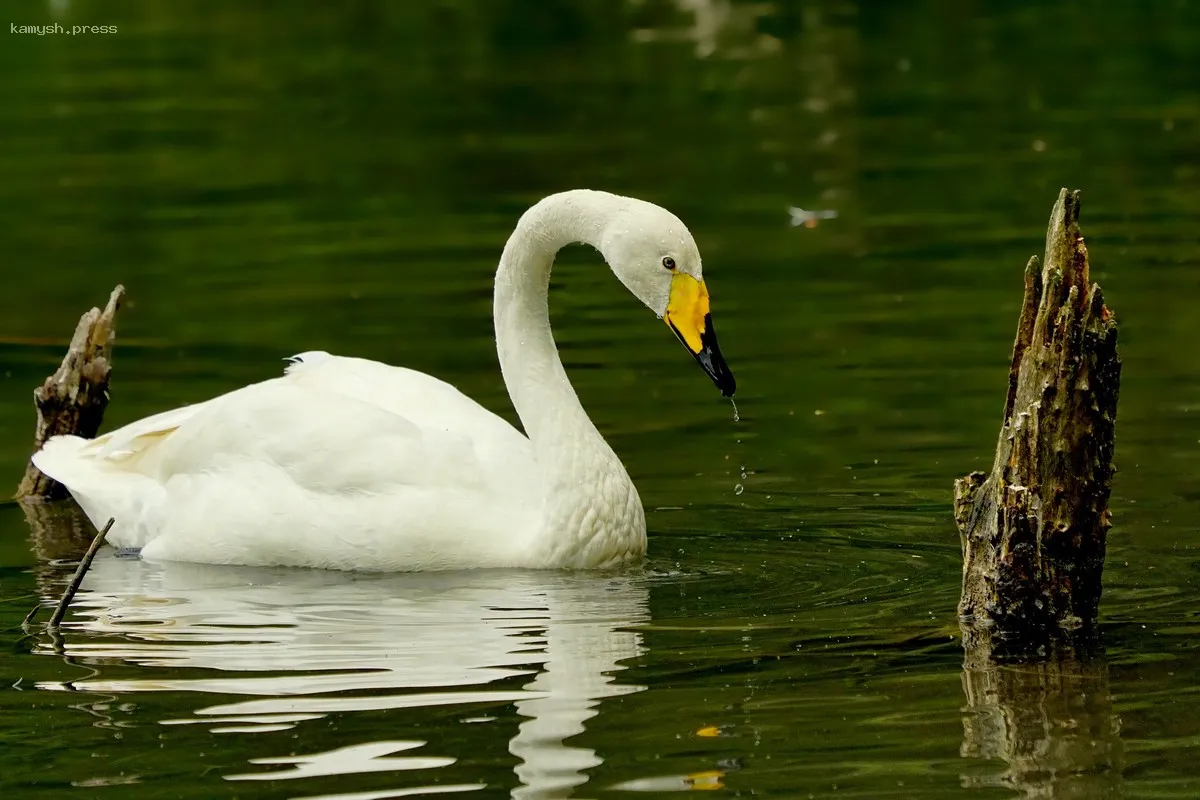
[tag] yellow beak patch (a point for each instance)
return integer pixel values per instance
(687, 309)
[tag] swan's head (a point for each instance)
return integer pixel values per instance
(655, 256)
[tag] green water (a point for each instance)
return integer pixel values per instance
(272, 178)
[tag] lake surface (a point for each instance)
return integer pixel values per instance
(287, 177)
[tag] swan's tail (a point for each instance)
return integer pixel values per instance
(102, 488)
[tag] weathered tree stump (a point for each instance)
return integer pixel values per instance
(72, 400)
(1033, 530)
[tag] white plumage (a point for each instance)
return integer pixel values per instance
(345, 463)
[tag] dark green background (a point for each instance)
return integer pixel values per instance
(268, 178)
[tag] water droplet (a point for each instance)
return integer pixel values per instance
(739, 489)
(736, 418)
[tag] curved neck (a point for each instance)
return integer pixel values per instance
(544, 399)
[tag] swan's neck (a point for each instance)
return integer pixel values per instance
(591, 506)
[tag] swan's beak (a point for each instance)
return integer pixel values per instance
(689, 317)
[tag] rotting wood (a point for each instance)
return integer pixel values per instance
(73, 399)
(1033, 530)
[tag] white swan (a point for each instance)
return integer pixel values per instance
(344, 463)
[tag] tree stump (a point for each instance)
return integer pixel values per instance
(73, 399)
(1033, 530)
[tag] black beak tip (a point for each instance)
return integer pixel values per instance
(723, 380)
(718, 371)
(711, 360)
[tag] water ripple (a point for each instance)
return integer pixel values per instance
(311, 648)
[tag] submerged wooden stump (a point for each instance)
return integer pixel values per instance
(1033, 529)
(72, 400)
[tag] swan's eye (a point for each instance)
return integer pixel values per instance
(669, 263)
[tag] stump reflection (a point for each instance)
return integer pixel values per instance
(58, 531)
(1051, 723)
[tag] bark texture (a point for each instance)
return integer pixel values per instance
(73, 399)
(1033, 530)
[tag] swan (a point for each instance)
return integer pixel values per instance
(349, 464)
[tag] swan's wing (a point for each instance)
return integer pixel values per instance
(324, 441)
(415, 397)
(422, 399)
(328, 419)
(135, 437)
(322, 449)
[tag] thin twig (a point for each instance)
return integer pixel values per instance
(29, 617)
(73, 587)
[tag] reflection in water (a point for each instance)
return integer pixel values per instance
(1052, 723)
(353, 760)
(304, 645)
(57, 531)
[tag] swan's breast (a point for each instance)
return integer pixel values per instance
(596, 525)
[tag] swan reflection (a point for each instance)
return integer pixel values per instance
(300, 646)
